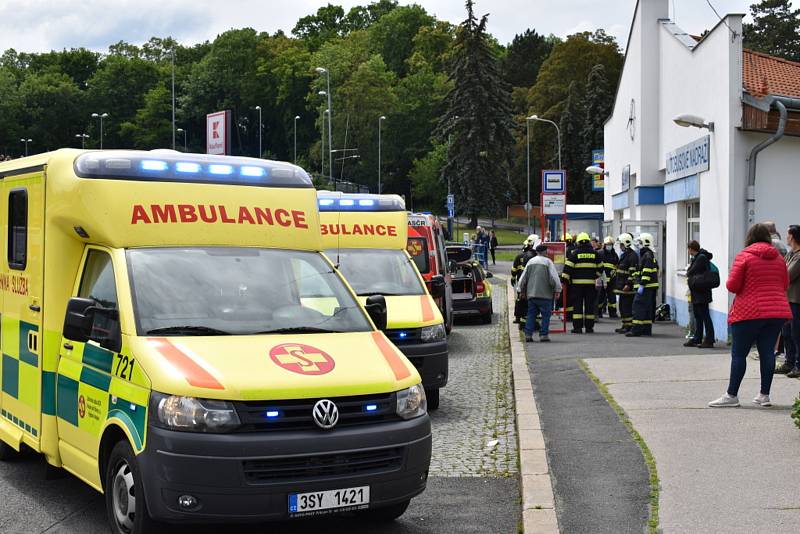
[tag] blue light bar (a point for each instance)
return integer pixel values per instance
(154, 165)
(371, 407)
(217, 168)
(185, 166)
(337, 201)
(326, 202)
(402, 334)
(253, 172)
(366, 202)
(272, 414)
(347, 202)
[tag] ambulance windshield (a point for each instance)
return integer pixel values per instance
(238, 291)
(378, 272)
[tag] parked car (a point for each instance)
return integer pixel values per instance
(472, 292)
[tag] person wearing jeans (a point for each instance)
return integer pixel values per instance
(540, 284)
(759, 280)
(791, 330)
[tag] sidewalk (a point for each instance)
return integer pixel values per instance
(721, 470)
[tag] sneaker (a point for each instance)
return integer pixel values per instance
(725, 401)
(754, 355)
(528, 339)
(689, 335)
(762, 400)
(691, 343)
(783, 369)
(794, 373)
(544, 339)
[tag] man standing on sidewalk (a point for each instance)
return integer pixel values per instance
(540, 285)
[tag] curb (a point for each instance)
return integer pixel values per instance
(538, 500)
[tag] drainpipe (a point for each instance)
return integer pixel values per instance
(780, 102)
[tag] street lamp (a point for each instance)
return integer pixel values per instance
(528, 165)
(296, 117)
(83, 137)
(259, 131)
(686, 120)
(173, 98)
(100, 116)
(594, 169)
(26, 141)
(380, 121)
(558, 133)
(185, 135)
(326, 72)
(322, 145)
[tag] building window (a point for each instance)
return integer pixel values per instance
(692, 222)
(17, 229)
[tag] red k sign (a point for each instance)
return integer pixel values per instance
(218, 133)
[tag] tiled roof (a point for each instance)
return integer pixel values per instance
(763, 75)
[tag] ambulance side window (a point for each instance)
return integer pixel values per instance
(18, 229)
(98, 284)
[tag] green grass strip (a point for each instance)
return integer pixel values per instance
(652, 523)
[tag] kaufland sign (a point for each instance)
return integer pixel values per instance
(218, 133)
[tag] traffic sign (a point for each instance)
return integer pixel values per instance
(554, 204)
(554, 182)
(451, 205)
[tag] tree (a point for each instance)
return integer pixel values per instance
(426, 180)
(525, 56)
(326, 24)
(572, 155)
(599, 102)
(393, 35)
(478, 118)
(152, 125)
(775, 29)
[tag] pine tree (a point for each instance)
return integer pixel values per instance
(775, 29)
(572, 155)
(478, 122)
(598, 102)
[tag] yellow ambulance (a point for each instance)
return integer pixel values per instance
(366, 237)
(172, 336)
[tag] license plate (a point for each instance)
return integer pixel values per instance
(315, 502)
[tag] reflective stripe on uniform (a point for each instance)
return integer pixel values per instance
(583, 282)
(637, 321)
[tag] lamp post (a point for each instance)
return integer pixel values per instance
(26, 141)
(686, 120)
(326, 72)
(528, 165)
(380, 121)
(296, 117)
(100, 116)
(322, 145)
(558, 133)
(185, 135)
(83, 137)
(259, 131)
(173, 98)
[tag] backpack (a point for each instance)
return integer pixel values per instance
(707, 280)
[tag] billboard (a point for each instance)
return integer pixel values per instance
(598, 180)
(218, 133)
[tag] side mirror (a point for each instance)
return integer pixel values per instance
(437, 286)
(79, 318)
(376, 308)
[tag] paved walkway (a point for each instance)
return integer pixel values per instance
(721, 470)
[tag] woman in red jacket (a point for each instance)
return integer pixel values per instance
(759, 280)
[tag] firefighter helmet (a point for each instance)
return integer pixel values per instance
(626, 240)
(608, 240)
(583, 237)
(567, 237)
(646, 239)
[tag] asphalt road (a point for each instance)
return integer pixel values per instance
(473, 488)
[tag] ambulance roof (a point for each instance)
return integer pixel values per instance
(360, 202)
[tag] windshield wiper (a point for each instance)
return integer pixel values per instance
(189, 330)
(298, 330)
(384, 293)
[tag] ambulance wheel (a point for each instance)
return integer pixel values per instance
(7, 452)
(432, 395)
(125, 503)
(387, 513)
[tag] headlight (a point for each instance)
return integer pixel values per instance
(189, 414)
(411, 402)
(429, 334)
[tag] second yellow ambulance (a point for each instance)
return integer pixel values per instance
(366, 237)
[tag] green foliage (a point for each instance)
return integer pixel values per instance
(152, 124)
(775, 29)
(478, 120)
(429, 189)
(796, 412)
(573, 150)
(393, 35)
(525, 56)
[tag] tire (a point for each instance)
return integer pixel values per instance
(448, 323)
(387, 514)
(486, 318)
(123, 484)
(7, 452)
(433, 401)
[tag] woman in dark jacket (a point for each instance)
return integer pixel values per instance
(701, 296)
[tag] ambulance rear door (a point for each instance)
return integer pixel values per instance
(21, 283)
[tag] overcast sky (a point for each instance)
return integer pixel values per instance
(40, 25)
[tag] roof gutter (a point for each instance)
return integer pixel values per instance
(765, 104)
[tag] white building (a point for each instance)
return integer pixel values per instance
(683, 183)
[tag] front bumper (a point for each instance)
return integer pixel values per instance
(431, 361)
(242, 477)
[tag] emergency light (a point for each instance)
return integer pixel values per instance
(337, 201)
(189, 168)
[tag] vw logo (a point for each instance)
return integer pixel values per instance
(325, 414)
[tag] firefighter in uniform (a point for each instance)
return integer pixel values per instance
(565, 285)
(521, 305)
(582, 269)
(610, 261)
(627, 268)
(645, 299)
